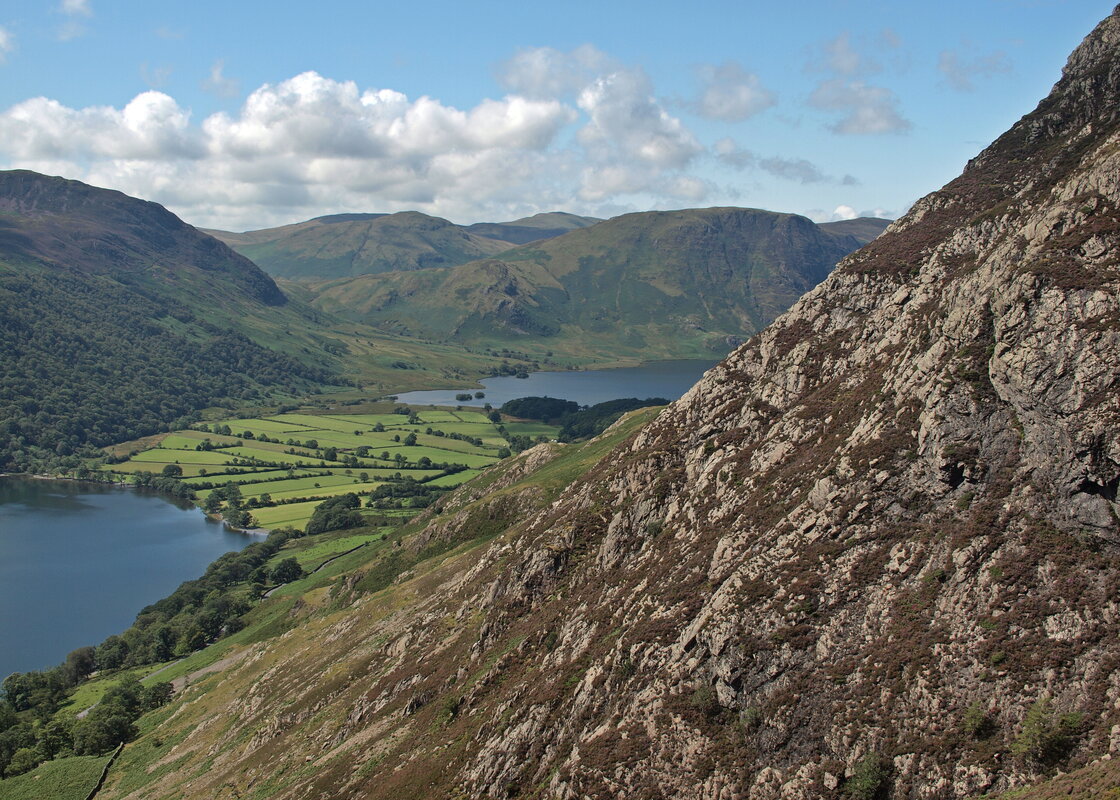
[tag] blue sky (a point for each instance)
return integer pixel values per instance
(247, 114)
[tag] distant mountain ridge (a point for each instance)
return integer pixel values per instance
(346, 245)
(657, 284)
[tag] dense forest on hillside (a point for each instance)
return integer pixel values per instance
(88, 362)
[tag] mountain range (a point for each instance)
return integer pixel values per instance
(872, 554)
(657, 284)
(345, 245)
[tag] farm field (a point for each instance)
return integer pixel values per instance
(389, 460)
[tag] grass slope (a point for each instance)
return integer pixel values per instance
(390, 572)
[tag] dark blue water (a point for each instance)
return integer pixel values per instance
(78, 561)
(668, 379)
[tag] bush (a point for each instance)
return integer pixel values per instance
(977, 722)
(869, 778)
(287, 571)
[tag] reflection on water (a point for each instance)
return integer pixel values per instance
(668, 379)
(78, 561)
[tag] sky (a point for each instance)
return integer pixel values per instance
(243, 115)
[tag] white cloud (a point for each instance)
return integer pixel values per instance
(217, 83)
(311, 145)
(730, 93)
(865, 109)
(151, 127)
(960, 70)
(7, 44)
(543, 72)
(728, 153)
(625, 121)
(76, 8)
(841, 57)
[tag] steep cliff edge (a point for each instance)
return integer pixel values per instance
(872, 554)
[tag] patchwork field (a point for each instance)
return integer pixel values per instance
(284, 466)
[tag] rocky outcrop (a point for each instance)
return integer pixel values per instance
(871, 554)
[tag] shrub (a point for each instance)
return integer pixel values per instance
(869, 778)
(977, 722)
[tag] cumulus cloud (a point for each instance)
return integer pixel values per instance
(544, 72)
(217, 83)
(625, 119)
(960, 70)
(865, 109)
(7, 44)
(843, 212)
(151, 127)
(730, 93)
(311, 145)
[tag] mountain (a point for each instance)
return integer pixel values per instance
(344, 245)
(118, 319)
(873, 554)
(534, 228)
(864, 229)
(658, 284)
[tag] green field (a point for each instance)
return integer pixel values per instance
(265, 468)
(62, 779)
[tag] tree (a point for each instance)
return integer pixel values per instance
(79, 664)
(100, 733)
(172, 471)
(410, 440)
(287, 571)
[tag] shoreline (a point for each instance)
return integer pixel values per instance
(257, 531)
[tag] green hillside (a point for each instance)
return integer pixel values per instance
(117, 319)
(345, 245)
(665, 284)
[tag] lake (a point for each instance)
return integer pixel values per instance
(668, 379)
(78, 561)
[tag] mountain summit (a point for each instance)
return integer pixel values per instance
(870, 555)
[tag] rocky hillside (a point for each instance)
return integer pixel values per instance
(658, 284)
(870, 555)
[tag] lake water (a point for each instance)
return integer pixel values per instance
(78, 561)
(668, 379)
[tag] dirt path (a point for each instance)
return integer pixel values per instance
(180, 683)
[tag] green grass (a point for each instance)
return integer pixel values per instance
(248, 478)
(312, 551)
(530, 429)
(90, 692)
(62, 779)
(293, 514)
(286, 476)
(274, 457)
(458, 478)
(206, 458)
